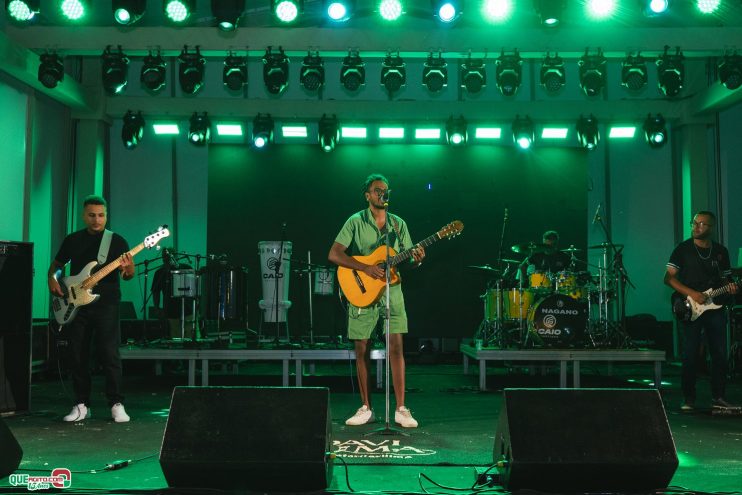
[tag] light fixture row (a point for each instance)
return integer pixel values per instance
(227, 13)
(456, 131)
(472, 72)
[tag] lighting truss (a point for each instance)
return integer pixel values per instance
(592, 72)
(670, 72)
(553, 77)
(655, 131)
(275, 71)
(328, 132)
(393, 73)
(634, 72)
(435, 73)
(114, 70)
(199, 132)
(588, 133)
(508, 70)
(353, 72)
(133, 129)
(312, 76)
(227, 13)
(51, 70)
(473, 75)
(153, 72)
(262, 130)
(191, 70)
(128, 12)
(234, 75)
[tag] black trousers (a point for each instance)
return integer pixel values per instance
(714, 325)
(95, 325)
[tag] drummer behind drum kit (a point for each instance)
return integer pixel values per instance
(567, 309)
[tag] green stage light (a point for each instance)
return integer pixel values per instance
(588, 133)
(234, 75)
(654, 7)
(153, 72)
(730, 71)
(391, 10)
(51, 70)
(622, 132)
(554, 133)
(670, 72)
(114, 70)
(427, 133)
(391, 132)
(508, 69)
(199, 132)
(73, 9)
(592, 70)
(655, 131)
(550, 11)
(275, 71)
(166, 129)
(473, 76)
(328, 133)
(132, 130)
(353, 132)
(178, 10)
(435, 73)
(456, 131)
(128, 11)
(553, 75)
(191, 71)
(227, 13)
(339, 10)
(707, 6)
(601, 9)
(634, 73)
(225, 129)
(262, 131)
(287, 10)
(497, 10)
(312, 76)
(294, 131)
(523, 133)
(448, 10)
(393, 74)
(353, 72)
(487, 133)
(21, 11)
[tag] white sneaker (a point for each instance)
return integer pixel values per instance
(403, 417)
(362, 416)
(118, 413)
(78, 413)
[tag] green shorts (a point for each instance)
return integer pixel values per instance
(362, 321)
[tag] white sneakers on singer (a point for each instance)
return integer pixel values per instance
(118, 413)
(403, 417)
(362, 416)
(78, 413)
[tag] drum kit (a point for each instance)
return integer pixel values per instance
(570, 308)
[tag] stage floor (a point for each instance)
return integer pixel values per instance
(455, 437)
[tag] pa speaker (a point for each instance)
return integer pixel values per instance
(248, 438)
(581, 440)
(11, 455)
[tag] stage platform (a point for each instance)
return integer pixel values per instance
(234, 353)
(563, 357)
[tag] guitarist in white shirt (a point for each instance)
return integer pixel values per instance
(98, 323)
(363, 232)
(697, 265)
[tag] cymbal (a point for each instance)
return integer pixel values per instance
(485, 268)
(570, 249)
(604, 245)
(529, 247)
(506, 260)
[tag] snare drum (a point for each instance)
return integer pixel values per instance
(541, 280)
(565, 281)
(183, 283)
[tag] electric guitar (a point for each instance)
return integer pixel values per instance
(77, 289)
(363, 291)
(686, 309)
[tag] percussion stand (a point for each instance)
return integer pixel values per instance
(197, 300)
(276, 302)
(309, 288)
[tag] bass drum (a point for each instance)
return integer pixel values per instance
(225, 292)
(557, 321)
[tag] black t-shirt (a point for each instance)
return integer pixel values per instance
(80, 248)
(700, 268)
(550, 262)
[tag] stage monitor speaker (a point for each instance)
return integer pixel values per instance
(578, 440)
(248, 438)
(10, 451)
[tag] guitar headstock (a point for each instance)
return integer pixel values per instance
(151, 240)
(451, 230)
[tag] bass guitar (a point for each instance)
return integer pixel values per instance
(363, 291)
(686, 309)
(77, 289)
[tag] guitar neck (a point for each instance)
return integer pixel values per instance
(722, 290)
(407, 253)
(93, 280)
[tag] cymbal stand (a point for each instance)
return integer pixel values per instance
(309, 288)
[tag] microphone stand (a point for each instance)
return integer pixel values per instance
(147, 295)
(387, 429)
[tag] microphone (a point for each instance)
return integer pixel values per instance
(506, 214)
(597, 214)
(385, 197)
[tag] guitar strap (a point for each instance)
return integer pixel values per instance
(395, 225)
(105, 245)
